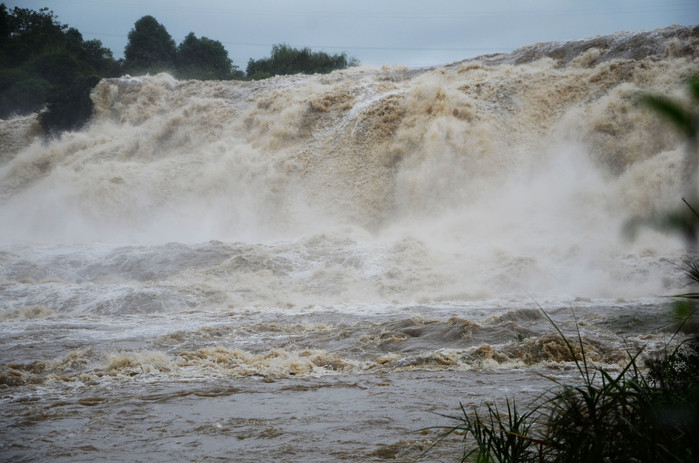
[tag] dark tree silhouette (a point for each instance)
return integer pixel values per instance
(203, 58)
(150, 47)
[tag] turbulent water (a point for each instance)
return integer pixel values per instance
(312, 268)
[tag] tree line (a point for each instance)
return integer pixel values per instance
(287, 60)
(46, 64)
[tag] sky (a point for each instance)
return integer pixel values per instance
(413, 33)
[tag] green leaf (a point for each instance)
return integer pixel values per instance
(694, 87)
(683, 120)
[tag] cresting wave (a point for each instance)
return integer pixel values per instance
(365, 345)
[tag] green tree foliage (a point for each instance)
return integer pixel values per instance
(21, 92)
(4, 24)
(286, 60)
(101, 58)
(204, 59)
(26, 33)
(58, 68)
(70, 108)
(42, 60)
(150, 47)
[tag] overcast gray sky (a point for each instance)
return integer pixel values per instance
(377, 32)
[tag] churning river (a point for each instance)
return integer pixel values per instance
(314, 268)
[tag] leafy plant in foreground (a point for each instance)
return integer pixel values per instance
(498, 437)
(620, 417)
(684, 117)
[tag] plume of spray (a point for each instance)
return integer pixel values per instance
(443, 183)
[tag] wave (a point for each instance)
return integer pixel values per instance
(362, 345)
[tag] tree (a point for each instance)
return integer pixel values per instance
(44, 63)
(26, 33)
(21, 92)
(259, 69)
(150, 47)
(58, 68)
(288, 60)
(4, 26)
(71, 107)
(100, 58)
(203, 59)
(39, 57)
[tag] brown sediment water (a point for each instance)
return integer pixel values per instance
(317, 267)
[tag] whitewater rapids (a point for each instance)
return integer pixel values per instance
(307, 267)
